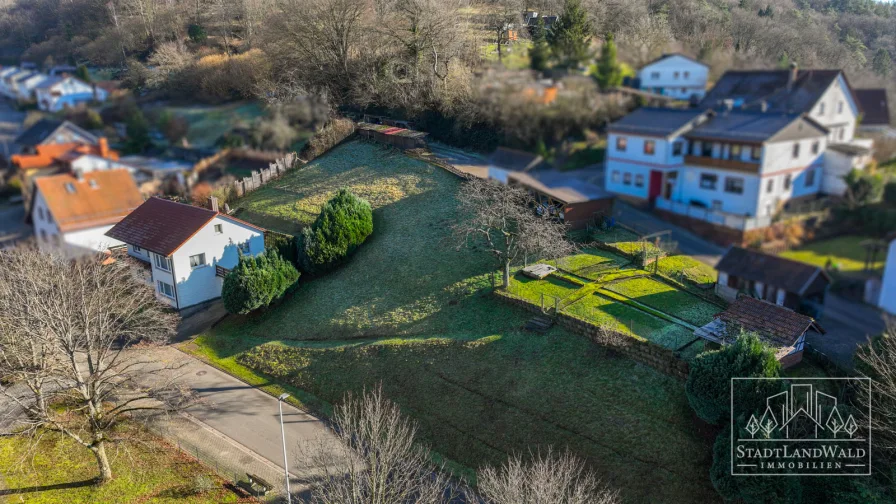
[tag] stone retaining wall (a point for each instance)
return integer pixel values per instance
(644, 352)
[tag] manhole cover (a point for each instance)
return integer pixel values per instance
(200, 373)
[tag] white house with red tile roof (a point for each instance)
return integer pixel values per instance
(74, 211)
(189, 248)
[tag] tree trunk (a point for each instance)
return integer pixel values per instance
(507, 274)
(102, 461)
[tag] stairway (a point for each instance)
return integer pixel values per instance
(539, 324)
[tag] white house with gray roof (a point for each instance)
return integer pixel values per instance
(674, 75)
(732, 168)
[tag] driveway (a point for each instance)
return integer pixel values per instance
(848, 325)
(645, 222)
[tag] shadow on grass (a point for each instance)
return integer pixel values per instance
(46, 488)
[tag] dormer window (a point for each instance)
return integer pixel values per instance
(70, 188)
(93, 184)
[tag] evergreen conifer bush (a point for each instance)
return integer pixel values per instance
(342, 226)
(256, 282)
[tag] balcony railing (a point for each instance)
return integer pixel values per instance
(722, 164)
(733, 221)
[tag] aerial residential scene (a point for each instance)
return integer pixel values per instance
(448, 252)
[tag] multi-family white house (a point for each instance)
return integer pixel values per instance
(189, 248)
(735, 163)
(776, 137)
(8, 80)
(73, 211)
(58, 93)
(674, 75)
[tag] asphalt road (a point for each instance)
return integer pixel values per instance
(244, 413)
(10, 127)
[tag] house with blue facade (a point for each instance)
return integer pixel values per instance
(62, 92)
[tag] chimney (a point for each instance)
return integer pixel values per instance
(213, 203)
(104, 147)
(791, 76)
(79, 175)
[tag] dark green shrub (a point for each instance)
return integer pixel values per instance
(196, 33)
(342, 226)
(709, 381)
(284, 244)
(255, 282)
(890, 193)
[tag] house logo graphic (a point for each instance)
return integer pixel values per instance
(801, 428)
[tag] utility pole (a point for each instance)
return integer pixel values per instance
(280, 400)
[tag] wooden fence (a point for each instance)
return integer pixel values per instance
(261, 177)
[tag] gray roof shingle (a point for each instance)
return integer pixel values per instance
(749, 88)
(792, 276)
(756, 127)
(655, 121)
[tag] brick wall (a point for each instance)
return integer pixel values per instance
(644, 352)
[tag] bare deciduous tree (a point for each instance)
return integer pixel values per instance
(505, 219)
(64, 329)
(375, 458)
(547, 477)
(877, 360)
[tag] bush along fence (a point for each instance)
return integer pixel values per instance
(265, 175)
(645, 352)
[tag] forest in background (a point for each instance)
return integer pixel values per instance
(424, 59)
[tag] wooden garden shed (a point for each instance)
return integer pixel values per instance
(401, 138)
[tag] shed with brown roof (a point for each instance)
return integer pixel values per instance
(793, 284)
(781, 328)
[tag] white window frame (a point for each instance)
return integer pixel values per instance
(158, 260)
(639, 180)
(711, 179)
(219, 229)
(159, 285)
(244, 247)
(616, 177)
(137, 249)
(199, 265)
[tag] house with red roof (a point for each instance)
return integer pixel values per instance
(190, 249)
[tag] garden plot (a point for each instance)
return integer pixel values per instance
(601, 310)
(667, 299)
(591, 263)
(625, 241)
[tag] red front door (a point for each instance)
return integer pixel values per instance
(656, 184)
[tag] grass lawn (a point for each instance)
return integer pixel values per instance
(513, 57)
(590, 262)
(412, 313)
(375, 173)
(667, 299)
(622, 239)
(692, 269)
(145, 469)
(844, 252)
(209, 122)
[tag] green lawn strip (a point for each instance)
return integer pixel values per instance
(615, 312)
(641, 306)
(208, 123)
(145, 468)
(844, 252)
(203, 348)
(380, 176)
(479, 400)
(674, 303)
(551, 287)
(589, 263)
(691, 269)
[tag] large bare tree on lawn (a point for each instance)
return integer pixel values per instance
(375, 458)
(547, 476)
(65, 329)
(504, 219)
